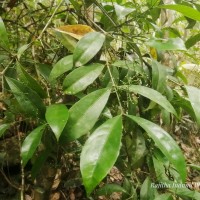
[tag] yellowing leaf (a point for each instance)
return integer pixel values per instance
(153, 53)
(76, 31)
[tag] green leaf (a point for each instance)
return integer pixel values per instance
(87, 47)
(108, 189)
(80, 78)
(57, 116)
(165, 143)
(167, 44)
(39, 162)
(3, 128)
(62, 66)
(29, 81)
(84, 114)
(152, 95)
(100, 152)
(194, 98)
(31, 143)
(153, 3)
(67, 41)
(122, 11)
(29, 100)
(166, 196)
(185, 10)
(185, 192)
(192, 40)
(44, 70)
(158, 76)
(180, 101)
(146, 192)
(22, 49)
(4, 41)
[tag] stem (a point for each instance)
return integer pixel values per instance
(114, 85)
(44, 29)
(22, 168)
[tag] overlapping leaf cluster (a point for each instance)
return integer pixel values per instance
(110, 94)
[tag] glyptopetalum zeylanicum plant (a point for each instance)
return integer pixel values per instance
(108, 100)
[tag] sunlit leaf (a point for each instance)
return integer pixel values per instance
(194, 98)
(76, 31)
(3, 128)
(165, 143)
(167, 44)
(63, 65)
(100, 152)
(84, 114)
(31, 143)
(81, 77)
(57, 116)
(87, 48)
(152, 95)
(185, 10)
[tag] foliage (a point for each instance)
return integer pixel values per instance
(108, 93)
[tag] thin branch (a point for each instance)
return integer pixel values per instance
(44, 29)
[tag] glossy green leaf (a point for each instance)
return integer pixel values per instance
(62, 66)
(84, 114)
(3, 128)
(122, 11)
(87, 48)
(167, 44)
(146, 192)
(4, 41)
(67, 41)
(166, 196)
(158, 76)
(57, 116)
(100, 152)
(29, 81)
(29, 100)
(152, 95)
(108, 189)
(81, 77)
(185, 10)
(31, 143)
(192, 40)
(165, 143)
(194, 98)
